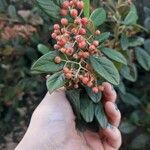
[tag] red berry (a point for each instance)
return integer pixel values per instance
(65, 5)
(80, 77)
(57, 31)
(85, 80)
(62, 42)
(64, 21)
(74, 13)
(97, 32)
(74, 31)
(66, 70)
(63, 12)
(86, 54)
(95, 89)
(54, 35)
(69, 51)
(79, 38)
(82, 44)
(56, 46)
(95, 43)
(82, 31)
(77, 20)
(68, 75)
(80, 4)
(57, 60)
(89, 84)
(56, 26)
(92, 47)
(84, 21)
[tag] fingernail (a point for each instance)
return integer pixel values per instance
(116, 107)
(110, 126)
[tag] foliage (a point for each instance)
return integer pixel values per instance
(19, 89)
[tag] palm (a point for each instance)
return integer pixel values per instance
(53, 121)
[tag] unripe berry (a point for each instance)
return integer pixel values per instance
(65, 5)
(76, 86)
(54, 35)
(74, 13)
(80, 4)
(95, 43)
(63, 12)
(97, 32)
(75, 56)
(84, 21)
(57, 60)
(95, 90)
(82, 31)
(85, 80)
(56, 26)
(64, 21)
(56, 46)
(82, 44)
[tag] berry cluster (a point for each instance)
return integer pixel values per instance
(76, 43)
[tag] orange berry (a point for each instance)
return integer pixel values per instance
(57, 60)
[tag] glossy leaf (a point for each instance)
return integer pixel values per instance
(43, 49)
(98, 16)
(86, 9)
(102, 37)
(101, 116)
(55, 81)
(94, 97)
(50, 8)
(143, 58)
(106, 69)
(124, 42)
(136, 41)
(132, 16)
(46, 63)
(87, 108)
(114, 55)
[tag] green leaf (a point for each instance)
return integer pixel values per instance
(94, 97)
(46, 64)
(143, 58)
(43, 49)
(101, 116)
(147, 45)
(114, 55)
(124, 42)
(86, 9)
(102, 37)
(127, 127)
(122, 87)
(12, 12)
(50, 8)
(132, 16)
(74, 98)
(130, 99)
(129, 72)
(55, 81)
(87, 108)
(106, 69)
(136, 41)
(98, 16)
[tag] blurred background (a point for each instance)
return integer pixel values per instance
(22, 27)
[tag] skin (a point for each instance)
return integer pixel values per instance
(52, 126)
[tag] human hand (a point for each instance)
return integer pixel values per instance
(52, 126)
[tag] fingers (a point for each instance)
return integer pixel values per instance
(113, 113)
(112, 138)
(109, 92)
